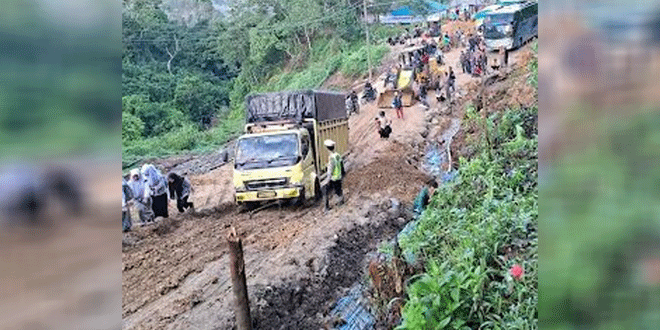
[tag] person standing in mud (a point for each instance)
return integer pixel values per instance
(127, 196)
(423, 92)
(472, 42)
(355, 101)
(462, 60)
(452, 79)
(180, 188)
(397, 103)
(449, 83)
(424, 197)
(349, 105)
(484, 61)
(157, 187)
(141, 199)
(335, 174)
(383, 125)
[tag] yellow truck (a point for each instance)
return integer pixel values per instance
(281, 156)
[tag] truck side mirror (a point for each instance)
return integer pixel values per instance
(305, 150)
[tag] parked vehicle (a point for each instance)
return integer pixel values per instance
(511, 26)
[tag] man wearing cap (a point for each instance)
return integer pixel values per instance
(335, 174)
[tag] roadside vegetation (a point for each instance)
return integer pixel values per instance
(479, 235)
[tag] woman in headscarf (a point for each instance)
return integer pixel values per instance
(179, 188)
(127, 195)
(157, 190)
(141, 197)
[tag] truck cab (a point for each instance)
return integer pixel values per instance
(280, 156)
(274, 161)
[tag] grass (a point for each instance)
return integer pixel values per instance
(326, 57)
(475, 229)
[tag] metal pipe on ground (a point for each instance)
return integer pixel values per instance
(239, 285)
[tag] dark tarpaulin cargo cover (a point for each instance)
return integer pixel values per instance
(321, 105)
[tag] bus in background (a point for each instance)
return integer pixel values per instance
(479, 16)
(511, 26)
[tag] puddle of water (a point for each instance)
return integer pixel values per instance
(436, 155)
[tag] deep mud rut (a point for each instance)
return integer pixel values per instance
(298, 260)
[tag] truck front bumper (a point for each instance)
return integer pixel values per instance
(268, 195)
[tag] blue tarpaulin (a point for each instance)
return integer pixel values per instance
(432, 7)
(402, 11)
(351, 309)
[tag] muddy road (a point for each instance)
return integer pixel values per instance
(298, 259)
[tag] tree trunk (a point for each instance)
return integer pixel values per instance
(176, 51)
(239, 286)
(309, 42)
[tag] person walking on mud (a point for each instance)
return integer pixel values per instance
(335, 174)
(397, 103)
(180, 188)
(504, 53)
(451, 80)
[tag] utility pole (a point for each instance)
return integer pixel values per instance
(366, 27)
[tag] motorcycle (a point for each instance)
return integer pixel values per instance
(369, 95)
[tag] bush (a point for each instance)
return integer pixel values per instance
(184, 138)
(356, 63)
(132, 128)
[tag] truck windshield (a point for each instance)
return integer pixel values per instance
(267, 151)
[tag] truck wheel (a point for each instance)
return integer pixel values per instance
(300, 200)
(248, 206)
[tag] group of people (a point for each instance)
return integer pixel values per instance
(474, 61)
(147, 189)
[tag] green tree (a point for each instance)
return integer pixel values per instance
(131, 128)
(200, 100)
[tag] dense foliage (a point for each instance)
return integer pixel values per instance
(185, 81)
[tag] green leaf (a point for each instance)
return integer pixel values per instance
(444, 323)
